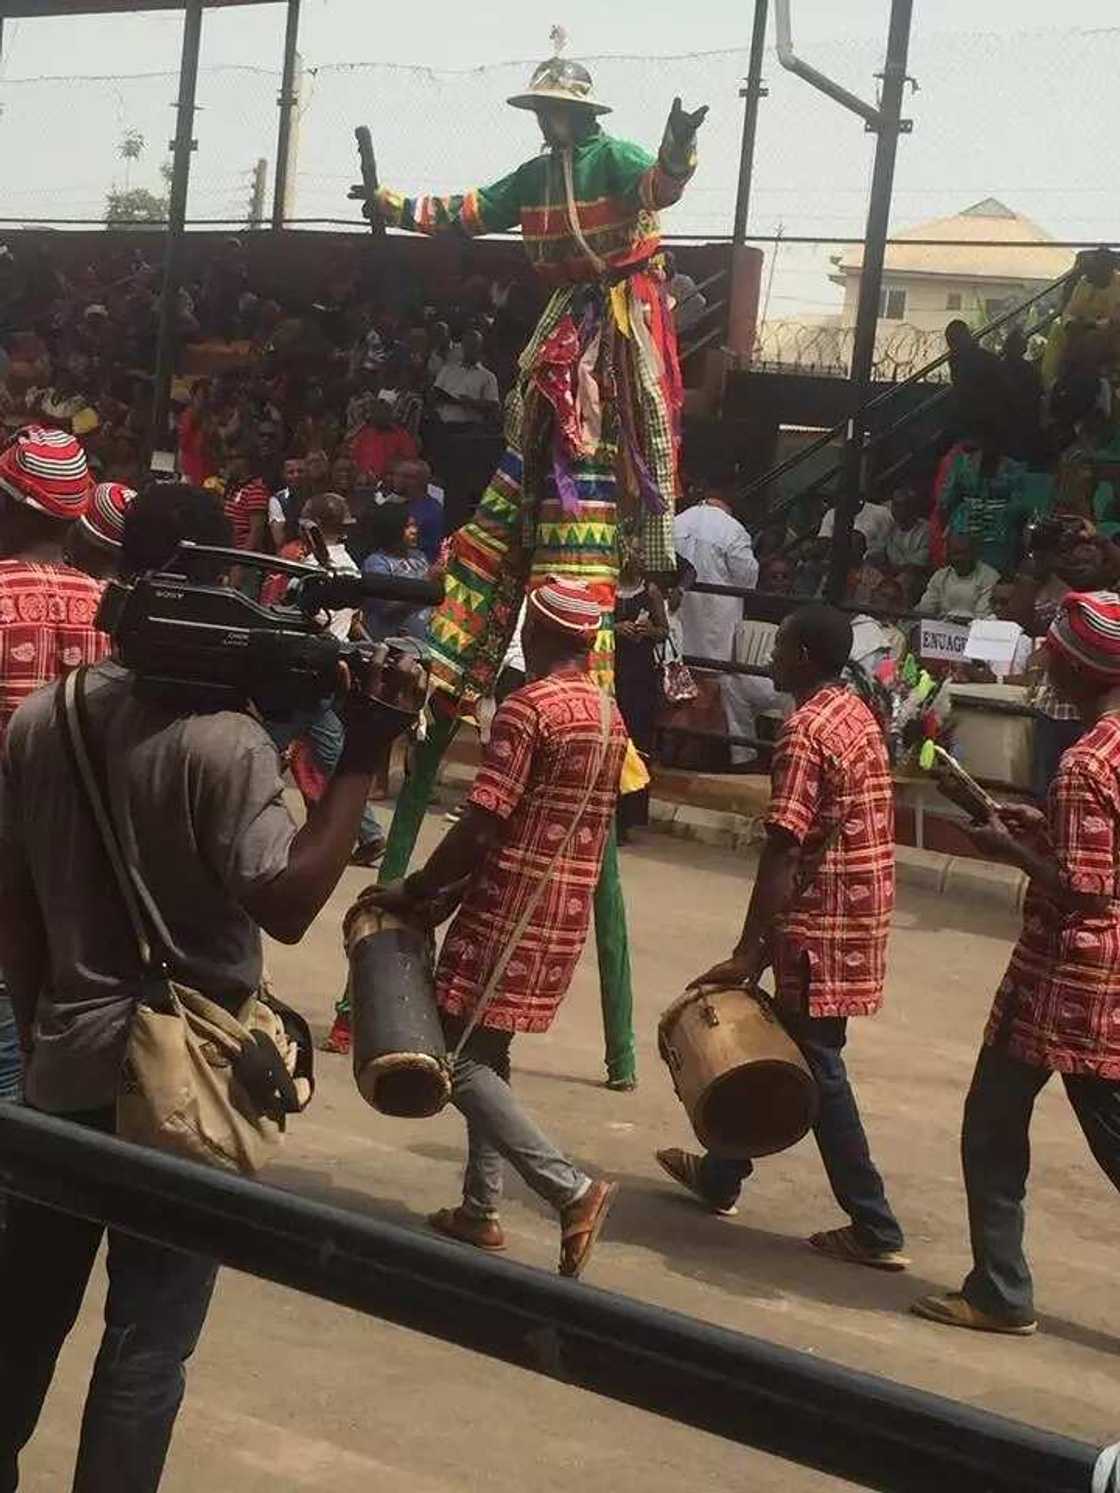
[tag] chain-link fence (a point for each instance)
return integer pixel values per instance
(1027, 120)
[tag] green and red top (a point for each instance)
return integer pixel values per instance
(584, 211)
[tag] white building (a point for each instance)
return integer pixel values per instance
(976, 278)
(967, 266)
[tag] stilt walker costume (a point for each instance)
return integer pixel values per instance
(592, 426)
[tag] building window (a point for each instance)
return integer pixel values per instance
(997, 305)
(953, 301)
(892, 304)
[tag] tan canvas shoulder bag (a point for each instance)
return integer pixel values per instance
(198, 1080)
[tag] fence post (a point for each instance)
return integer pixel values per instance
(889, 126)
(289, 102)
(182, 146)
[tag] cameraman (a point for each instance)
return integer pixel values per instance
(201, 804)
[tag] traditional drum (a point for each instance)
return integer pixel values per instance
(400, 1057)
(741, 1077)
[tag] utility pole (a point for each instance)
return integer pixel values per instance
(182, 146)
(256, 198)
(289, 104)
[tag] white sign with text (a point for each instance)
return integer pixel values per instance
(944, 641)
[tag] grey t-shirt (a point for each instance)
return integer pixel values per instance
(200, 801)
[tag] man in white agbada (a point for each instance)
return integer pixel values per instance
(719, 549)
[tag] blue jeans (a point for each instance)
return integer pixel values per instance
(9, 1051)
(856, 1184)
(996, 1152)
(157, 1304)
(323, 728)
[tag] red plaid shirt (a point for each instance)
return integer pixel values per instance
(544, 741)
(1058, 1005)
(832, 792)
(46, 628)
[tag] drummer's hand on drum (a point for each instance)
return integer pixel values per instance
(743, 968)
(395, 897)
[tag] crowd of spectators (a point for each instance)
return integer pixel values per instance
(282, 399)
(1021, 508)
(274, 400)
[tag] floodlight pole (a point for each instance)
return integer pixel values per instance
(887, 123)
(182, 146)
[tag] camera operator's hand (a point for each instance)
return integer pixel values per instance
(385, 704)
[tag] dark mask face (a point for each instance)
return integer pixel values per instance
(563, 124)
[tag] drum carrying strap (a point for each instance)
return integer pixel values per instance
(538, 891)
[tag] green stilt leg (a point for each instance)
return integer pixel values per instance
(613, 948)
(414, 798)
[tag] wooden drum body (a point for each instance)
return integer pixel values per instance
(400, 1057)
(743, 1080)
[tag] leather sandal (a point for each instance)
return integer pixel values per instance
(843, 1244)
(684, 1168)
(953, 1310)
(580, 1227)
(468, 1228)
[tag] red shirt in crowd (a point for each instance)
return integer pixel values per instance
(544, 742)
(1058, 1005)
(194, 459)
(375, 450)
(832, 793)
(46, 628)
(242, 505)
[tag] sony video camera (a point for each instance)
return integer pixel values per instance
(198, 642)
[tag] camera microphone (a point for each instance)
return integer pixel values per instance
(332, 590)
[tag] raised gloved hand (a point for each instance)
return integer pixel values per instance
(682, 124)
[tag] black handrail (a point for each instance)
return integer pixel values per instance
(853, 1425)
(759, 484)
(882, 436)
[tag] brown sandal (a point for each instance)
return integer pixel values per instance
(580, 1227)
(483, 1233)
(842, 1244)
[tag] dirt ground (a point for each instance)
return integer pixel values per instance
(290, 1393)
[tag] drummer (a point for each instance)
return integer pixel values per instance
(819, 915)
(548, 761)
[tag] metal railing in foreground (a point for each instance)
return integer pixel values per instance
(880, 1434)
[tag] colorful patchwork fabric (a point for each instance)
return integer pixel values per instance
(593, 422)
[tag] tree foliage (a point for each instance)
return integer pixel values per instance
(135, 205)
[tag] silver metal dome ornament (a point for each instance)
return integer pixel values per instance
(560, 81)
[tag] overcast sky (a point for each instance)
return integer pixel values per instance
(1007, 109)
(440, 33)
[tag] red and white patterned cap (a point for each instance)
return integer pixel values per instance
(1087, 630)
(568, 605)
(46, 469)
(103, 520)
